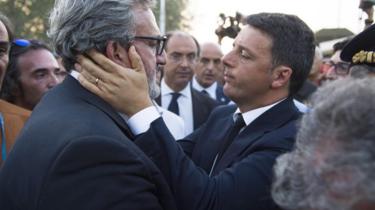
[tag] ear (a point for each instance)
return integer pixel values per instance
(281, 76)
(117, 53)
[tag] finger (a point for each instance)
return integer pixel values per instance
(107, 64)
(135, 59)
(90, 86)
(90, 70)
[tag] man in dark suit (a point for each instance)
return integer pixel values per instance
(207, 71)
(177, 95)
(76, 151)
(227, 163)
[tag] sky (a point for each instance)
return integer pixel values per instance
(317, 14)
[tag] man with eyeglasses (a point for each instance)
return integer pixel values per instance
(227, 163)
(77, 151)
(177, 95)
(207, 72)
(335, 68)
(12, 117)
(32, 71)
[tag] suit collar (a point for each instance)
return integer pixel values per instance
(74, 88)
(252, 115)
(270, 120)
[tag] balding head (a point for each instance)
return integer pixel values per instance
(209, 68)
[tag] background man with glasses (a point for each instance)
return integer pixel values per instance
(177, 95)
(334, 67)
(208, 70)
(76, 151)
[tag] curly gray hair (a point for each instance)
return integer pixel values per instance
(333, 164)
(77, 26)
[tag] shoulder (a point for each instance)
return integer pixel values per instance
(11, 109)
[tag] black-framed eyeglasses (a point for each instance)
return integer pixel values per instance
(340, 68)
(160, 42)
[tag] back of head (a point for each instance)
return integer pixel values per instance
(332, 166)
(11, 84)
(76, 26)
(292, 43)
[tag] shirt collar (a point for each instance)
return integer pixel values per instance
(251, 115)
(210, 90)
(166, 90)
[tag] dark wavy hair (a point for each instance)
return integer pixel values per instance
(11, 86)
(292, 44)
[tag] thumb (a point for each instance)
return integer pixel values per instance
(135, 59)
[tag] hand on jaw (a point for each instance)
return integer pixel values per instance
(126, 89)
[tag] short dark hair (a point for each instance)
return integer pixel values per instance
(292, 44)
(11, 84)
(172, 33)
(341, 44)
(8, 26)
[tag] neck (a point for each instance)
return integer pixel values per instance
(245, 106)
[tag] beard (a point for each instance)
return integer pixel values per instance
(153, 87)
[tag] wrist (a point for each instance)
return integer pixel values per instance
(139, 106)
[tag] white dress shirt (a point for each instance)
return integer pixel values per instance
(184, 102)
(140, 122)
(211, 90)
(174, 122)
(251, 115)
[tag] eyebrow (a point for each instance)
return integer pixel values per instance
(4, 43)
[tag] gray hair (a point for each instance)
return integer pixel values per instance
(76, 26)
(333, 163)
(361, 71)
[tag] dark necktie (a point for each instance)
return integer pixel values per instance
(236, 127)
(204, 92)
(173, 106)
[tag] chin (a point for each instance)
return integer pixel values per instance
(154, 90)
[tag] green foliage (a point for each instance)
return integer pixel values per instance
(30, 17)
(175, 20)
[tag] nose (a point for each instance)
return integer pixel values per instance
(161, 59)
(185, 61)
(53, 80)
(331, 74)
(210, 65)
(228, 59)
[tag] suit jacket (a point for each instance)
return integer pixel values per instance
(220, 97)
(202, 107)
(75, 152)
(14, 119)
(242, 178)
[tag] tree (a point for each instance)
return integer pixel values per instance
(175, 18)
(29, 17)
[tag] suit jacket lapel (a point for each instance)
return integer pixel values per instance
(75, 88)
(268, 121)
